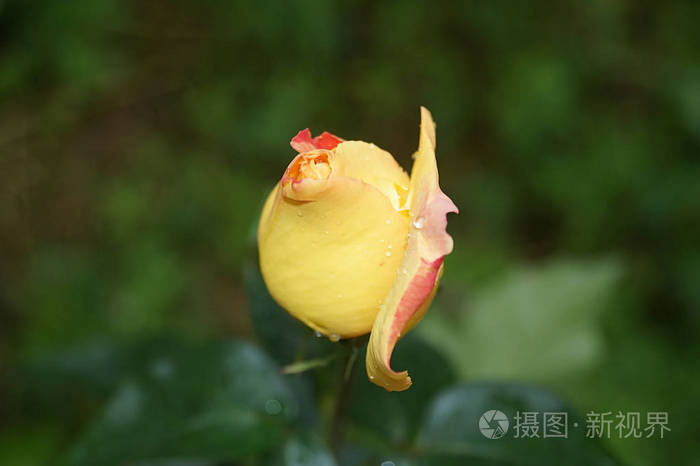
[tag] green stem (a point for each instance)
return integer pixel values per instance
(343, 399)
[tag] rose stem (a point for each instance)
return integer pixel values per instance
(343, 399)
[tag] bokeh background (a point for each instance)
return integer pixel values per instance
(138, 140)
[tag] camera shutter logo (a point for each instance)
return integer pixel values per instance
(493, 424)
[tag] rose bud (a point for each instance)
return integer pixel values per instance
(349, 244)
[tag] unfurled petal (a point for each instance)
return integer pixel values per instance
(421, 267)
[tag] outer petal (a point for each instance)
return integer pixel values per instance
(329, 253)
(421, 267)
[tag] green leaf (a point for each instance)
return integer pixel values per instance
(215, 401)
(303, 450)
(451, 436)
(536, 323)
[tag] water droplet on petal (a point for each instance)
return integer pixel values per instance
(334, 337)
(300, 214)
(371, 377)
(419, 222)
(388, 253)
(318, 334)
(389, 246)
(340, 295)
(381, 240)
(325, 232)
(387, 221)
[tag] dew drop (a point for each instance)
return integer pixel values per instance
(419, 222)
(371, 377)
(318, 334)
(300, 214)
(387, 221)
(325, 232)
(388, 253)
(381, 240)
(404, 271)
(334, 337)
(340, 295)
(389, 246)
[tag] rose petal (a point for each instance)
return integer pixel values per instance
(330, 260)
(369, 163)
(421, 267)
(303, 142)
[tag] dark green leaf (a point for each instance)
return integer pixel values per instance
(303, 450)
(451, 434)
(218, 401)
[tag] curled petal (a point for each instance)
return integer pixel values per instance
(303, 142)
(421, 267)
(308, 175)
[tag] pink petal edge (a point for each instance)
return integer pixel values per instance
(303, 142)
(429, 242)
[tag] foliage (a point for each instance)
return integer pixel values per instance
(139, 139)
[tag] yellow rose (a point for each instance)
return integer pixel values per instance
(349, 244)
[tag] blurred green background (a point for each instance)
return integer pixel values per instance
(138, 140)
